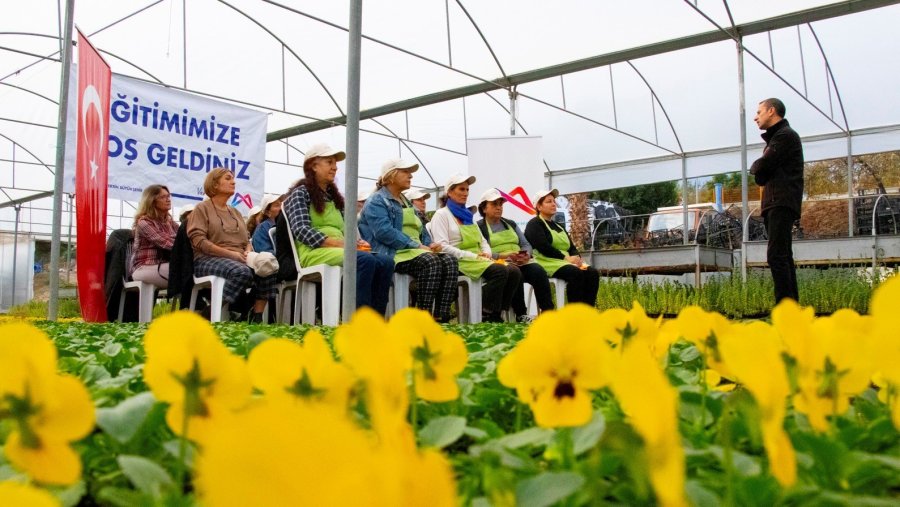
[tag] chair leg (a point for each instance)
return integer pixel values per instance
(331, 300)
(306, 304)
(145, 304)
(122, 305)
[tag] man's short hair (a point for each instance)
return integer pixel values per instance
(777, 104)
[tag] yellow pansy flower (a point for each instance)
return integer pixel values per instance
(651, 404)
(287, 371)
(368, 346)
(618, 325)
(838, 368)
(15, 494)
(885, 346)
(438, 356)
(296, 456)
(752, 351)
(560, 360)
(191, 369)
(48, 410)
(701, 328)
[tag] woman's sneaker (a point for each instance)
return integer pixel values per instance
(524, 319)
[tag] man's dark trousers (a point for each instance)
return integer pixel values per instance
(779, 222)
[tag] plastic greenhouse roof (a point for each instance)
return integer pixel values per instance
(654, 90)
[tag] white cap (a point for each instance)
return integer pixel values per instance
(414, 193)
(490, 195)
(266, 201)
(396, 163)
(362, 195)
(456, 179)
(323, 150)
(542, 193)
(184, 209)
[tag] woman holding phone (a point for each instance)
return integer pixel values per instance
(508, 243)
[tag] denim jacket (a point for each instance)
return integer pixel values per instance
(381, 224)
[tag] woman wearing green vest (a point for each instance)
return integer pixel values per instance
(389, 223)
(314, 209)
(509, 244)
(454, 229)
(555, 252)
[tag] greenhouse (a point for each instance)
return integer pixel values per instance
(687, 383)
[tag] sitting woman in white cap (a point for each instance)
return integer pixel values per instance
(418, 197)
(314, 208)
(221, 243)
(508, 243)
(261, 221)
(555, 252)
(454, 229)
(390, 224)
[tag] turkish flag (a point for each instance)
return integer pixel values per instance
(91, 157)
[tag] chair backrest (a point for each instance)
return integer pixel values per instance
(428, 228)
(293, 243)
(272, 239)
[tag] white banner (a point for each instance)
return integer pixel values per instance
(512, 165)
(163, 136)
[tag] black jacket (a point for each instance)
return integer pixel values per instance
(537, 234)
(181, 267)
(284, 250)
(780, 170)
(118, 250)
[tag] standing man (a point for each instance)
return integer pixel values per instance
(780, 172)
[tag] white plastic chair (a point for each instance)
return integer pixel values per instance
(305, 302)
(398, 297)
(216, 285)
(468, 301)
(284, 287)
(146, 299)
(560, 300)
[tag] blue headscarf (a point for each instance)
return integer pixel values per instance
(460, 211)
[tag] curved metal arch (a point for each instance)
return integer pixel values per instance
(26, 90)
(314, 75)
(385, 44)
(600, 123)
(656, 97)
(403, 142)
(732, 35)
(483, 38)
(114, 23)
(117, 57)
(506, 109)
(28, 152)
(830, 76)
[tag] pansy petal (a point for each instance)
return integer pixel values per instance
(50, 463)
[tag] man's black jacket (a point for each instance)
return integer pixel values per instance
(780, 170)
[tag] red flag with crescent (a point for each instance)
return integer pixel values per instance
(91, 178)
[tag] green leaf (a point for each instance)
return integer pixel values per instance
(531, 436)
(146, 475)
(442, 431)
(112, 349)
(71, 495)
(700, 496)
(121, 497)
(689, 354)
(122, 421)
(586, 437)
(173, 447)
(547, 488)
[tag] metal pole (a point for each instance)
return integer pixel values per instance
(18, 208)
(512, 111)
(69, 243)
(745, 206)
(851, 212)
(60, 161)
(684, 203)
(351, 167)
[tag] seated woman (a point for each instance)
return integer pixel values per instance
(220, 240)
(259, 223)
(452, 227)
(555, 252)
(314, 209)
(390, 224)
(508, 243)
(417, 198)
(154, 235)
